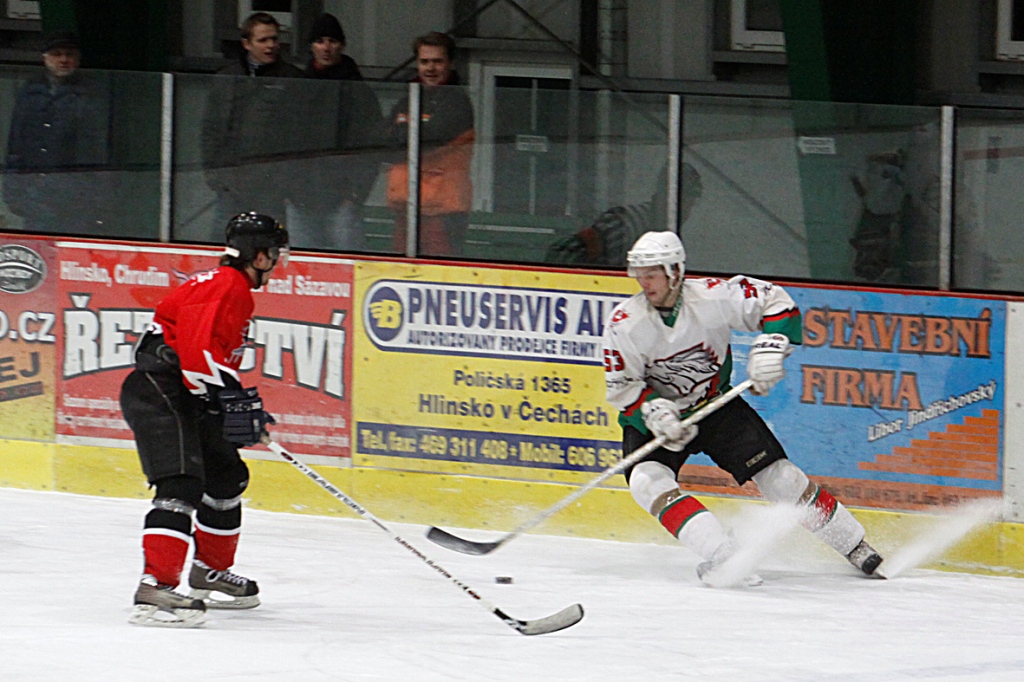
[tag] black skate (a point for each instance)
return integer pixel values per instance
(222, 589)
(866, 559)
(160, 606)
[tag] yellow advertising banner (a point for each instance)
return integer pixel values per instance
(483, 370)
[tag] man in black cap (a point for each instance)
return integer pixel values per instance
(59, 142)
(341, 136)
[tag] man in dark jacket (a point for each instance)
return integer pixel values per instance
(59, 146)
(341, 139)
(251, 123)
(446, 137)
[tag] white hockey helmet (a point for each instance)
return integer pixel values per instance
(657, 248)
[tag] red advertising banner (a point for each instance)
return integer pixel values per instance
(27, 337)
(299, 355)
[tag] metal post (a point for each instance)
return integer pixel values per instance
(946, 176)
(534, 94)
(675, 154)
(412, 204)
(166, 155)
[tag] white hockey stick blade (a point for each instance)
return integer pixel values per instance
(565, 618)
(454, 542)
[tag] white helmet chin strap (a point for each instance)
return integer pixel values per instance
(675, 277)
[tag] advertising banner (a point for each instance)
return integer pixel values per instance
(472, 368)
(27, 338)
(892, 401)
(299, 357)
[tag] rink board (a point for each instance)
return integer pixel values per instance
(473, 396)
(458, 501)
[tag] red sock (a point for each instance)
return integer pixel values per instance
(675, 515)
(216, 548)
(821, 510)
(165, 552)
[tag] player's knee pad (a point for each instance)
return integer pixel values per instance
(181, 492)
(228, 483)
(783, 482)
(650, 481)
(177, 497)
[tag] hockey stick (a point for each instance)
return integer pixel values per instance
(454, 542)
(567, 617)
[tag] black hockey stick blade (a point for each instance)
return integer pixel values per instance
(454, 542)
(565, 618)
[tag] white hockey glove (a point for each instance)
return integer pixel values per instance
(662, 417)
(764, 363)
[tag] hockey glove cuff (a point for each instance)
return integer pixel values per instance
(764, 363)
(245, 420)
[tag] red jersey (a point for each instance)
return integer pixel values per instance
(206, 321)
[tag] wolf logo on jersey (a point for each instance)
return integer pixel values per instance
(682, 373)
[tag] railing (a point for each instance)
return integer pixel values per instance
(902, 196)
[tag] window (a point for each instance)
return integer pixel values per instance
(279, 9)
(1010, 30)
(23, 9)
(522, 162)
(757, 26)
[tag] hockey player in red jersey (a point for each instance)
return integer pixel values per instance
(667, 352)
(189, 412)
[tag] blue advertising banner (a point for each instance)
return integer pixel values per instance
(896, 400)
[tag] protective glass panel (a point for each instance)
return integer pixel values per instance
(840, 192)
(81, 152)
(987, 249)
(568, 177)
(307, 152)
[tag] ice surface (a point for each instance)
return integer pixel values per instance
(342, 601)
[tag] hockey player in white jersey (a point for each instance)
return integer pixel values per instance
(667, 352)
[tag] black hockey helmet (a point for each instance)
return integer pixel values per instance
(249, 233)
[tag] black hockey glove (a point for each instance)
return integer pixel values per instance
(245, 420)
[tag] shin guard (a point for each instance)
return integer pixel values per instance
(784, 482)
(165, 540)
(691, 522)
(218, 524)
(834, 524)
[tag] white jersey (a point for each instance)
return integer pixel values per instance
(691, 360)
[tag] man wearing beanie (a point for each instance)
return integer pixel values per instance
(327, 43)
(341, 139)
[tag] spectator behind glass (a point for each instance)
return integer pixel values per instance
(608, 238)
(446, 139)
(340, 141)
(251, 124)
(59, 142)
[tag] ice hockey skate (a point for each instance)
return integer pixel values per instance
(222, 589)
(866, 559)
(729, 568)
(160, 606)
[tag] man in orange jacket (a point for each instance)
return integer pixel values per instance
(446, 139)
